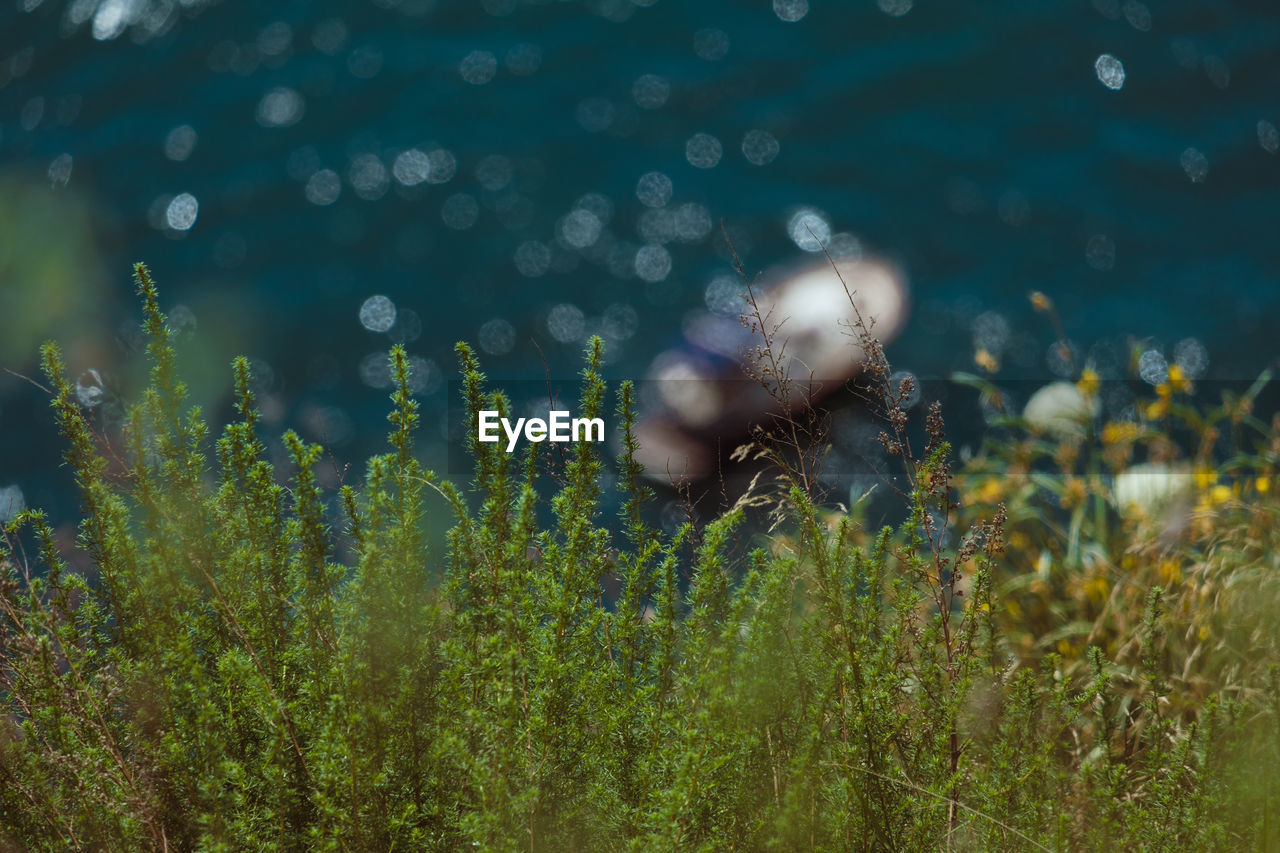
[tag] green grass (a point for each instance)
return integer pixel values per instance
(240, 671)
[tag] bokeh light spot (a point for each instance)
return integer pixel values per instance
(280, 107)
(1110, 72)
(759, 147)
(703, 150)
(323, 187)
(497, 337)
(478, 67)
(180, 142)
(378, 313)
(791, 10)
(566, 323)
(1195, 164)
(653, 189)
(650, 91)
(181, 213)
(809, 229)
(653, 263)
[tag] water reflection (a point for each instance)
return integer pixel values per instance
(457, 158)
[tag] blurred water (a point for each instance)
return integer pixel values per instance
(524, 174)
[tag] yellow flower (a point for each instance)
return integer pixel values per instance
(1262, 484)
(1097, 588)
(1205, 477)
(1089, 382)
(1120, 432)
(1157, 409)
(1073, 493)
(1039, 301)
(1220, 494)
(989, 492)
(986, 360)
(1170, 572)
(1178, 379)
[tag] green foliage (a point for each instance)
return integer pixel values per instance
(256, 663)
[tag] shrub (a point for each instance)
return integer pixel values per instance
(243, 671)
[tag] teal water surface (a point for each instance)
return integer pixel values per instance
(524, 174)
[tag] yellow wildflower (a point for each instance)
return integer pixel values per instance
(1178, 379)
(1089, 382)
(989, 492)
(1065, 455)
(1097, 588)
(1170, 572)
(1220, 494)
(1157, 409)
(1073, 493)
(1262, 484)
(1118, 432)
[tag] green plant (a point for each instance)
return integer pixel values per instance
(256, 663)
